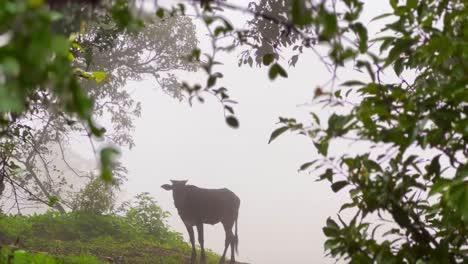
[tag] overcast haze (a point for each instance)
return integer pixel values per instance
(282, 211)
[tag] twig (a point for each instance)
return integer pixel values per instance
(287, 24)
(16, 197)
(13, 182)
(65, 160)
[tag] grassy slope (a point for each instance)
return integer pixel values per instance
(77, 238)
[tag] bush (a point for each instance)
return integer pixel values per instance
(149, 218)
(97, 197)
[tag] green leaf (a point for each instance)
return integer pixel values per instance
(394, 4)
(462, 172)
(307, 165)
(381, 16)
(398, 66)
(53, 200)
(328, 174)
(232, 121)
(441, 185)
(352, 83)
(59, 45)
(332, 224)
(371, 88)
(331, 229)
(268, 59)
(434, 167)
(219, 30)
(330, 25)
(9, 102)
(336, 122)
(276, 70)
(412, 4)
(399, 47)
(277, 132)
(368, 67)
(81, 104)
(227, 25)
(195, 55)
(160, 12)
(336, 186)
(300, 15)
(96, 131)
(458, 199)
(331, 244)
(70, 56)
(217, 75)
(208, 19)
(316, 118)
(229, 109)
(108, 156)
(330, 232)
(386, 42)
(211, 81)
(10, 66)
(372, 165)
(34, 3)
(346, 206)
(361, 31)
(99, 76)
(401, 216)
(322, 146)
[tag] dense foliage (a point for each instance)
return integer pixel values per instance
(30, 48)
(103, 54)
(409, 188)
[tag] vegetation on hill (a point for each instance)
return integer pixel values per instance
(137, 235)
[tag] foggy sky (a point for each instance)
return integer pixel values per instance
(282, 211)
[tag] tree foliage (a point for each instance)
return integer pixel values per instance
(414, 174)
(97, 198)
(103, 55)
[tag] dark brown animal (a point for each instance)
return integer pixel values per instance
(198, 206)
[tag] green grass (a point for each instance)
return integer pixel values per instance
(16, 256)
(81, 238)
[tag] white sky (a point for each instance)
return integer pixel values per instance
(282, 211)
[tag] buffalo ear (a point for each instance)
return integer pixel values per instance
(166, 187)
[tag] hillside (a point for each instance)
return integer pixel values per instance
(76, 238)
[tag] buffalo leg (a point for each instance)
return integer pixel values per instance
(192, 241)
(200, 240)
(233, 245)
(229, 239)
